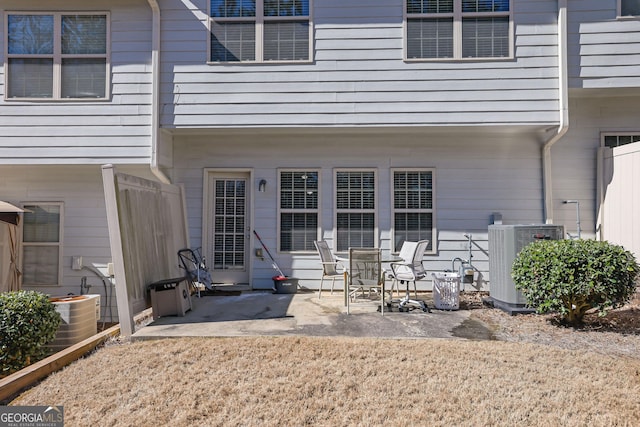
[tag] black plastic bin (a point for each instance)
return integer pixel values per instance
(285, 285)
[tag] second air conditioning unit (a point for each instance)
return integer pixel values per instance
(505, 242)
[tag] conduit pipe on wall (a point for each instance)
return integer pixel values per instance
(155, 92)
(563, 99)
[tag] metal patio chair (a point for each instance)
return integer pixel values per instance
(331, 268)
(365, 276)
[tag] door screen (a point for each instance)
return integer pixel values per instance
(229, 224)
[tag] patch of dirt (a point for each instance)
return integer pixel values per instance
(617, 333)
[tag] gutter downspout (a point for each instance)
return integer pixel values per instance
(155, 92)
(563, 99)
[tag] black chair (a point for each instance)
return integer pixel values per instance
(196, 269)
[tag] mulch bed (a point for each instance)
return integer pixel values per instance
(617, 333)
(623, 320)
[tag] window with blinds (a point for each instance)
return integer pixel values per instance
(456, 29)
(355, 193)
(42, 244)
(39, 44)
(413, 207)
(259, 30)
(298, 210)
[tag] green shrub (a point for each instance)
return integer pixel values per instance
(28, 321)
(573, 276)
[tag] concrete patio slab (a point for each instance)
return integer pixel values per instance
(255, 313)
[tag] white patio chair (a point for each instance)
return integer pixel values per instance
(410, 270)
(407, 252)
(331, 268)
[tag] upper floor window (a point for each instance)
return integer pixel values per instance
(42, 244)
(260, 30)
(298, 210)
(456, 29)
(56, 55)
(629, 7)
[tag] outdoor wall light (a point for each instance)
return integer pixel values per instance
(262, 185)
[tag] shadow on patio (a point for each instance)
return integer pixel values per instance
(254, 313)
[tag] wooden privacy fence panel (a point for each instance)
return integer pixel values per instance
(619, 195)
(147, 227)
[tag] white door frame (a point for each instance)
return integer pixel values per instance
(206, 195)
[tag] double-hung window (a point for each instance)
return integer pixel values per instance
(298, 210)
(629, 7)
(260, 30)
(41, 244)
(57, 55)
(355, 193)
(412, 207)
(457, 29)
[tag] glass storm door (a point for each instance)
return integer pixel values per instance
(228, 228)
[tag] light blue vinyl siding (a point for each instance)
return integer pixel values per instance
(93, 132)
(358, 76)
(604, 51)
(474, 176)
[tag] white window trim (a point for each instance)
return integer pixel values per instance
(376, 233)
(259, 21)
(59, 244)
(57, 56)
(317, 211)
(434, 233)
(457, 32)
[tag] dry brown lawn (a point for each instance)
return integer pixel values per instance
(312, 381)
(538, 373)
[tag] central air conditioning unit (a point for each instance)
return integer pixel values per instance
(79, 315)
(505, 242)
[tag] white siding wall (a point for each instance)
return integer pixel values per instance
(604, 51)
(475, 176)
(358, 76)
(95, 132)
